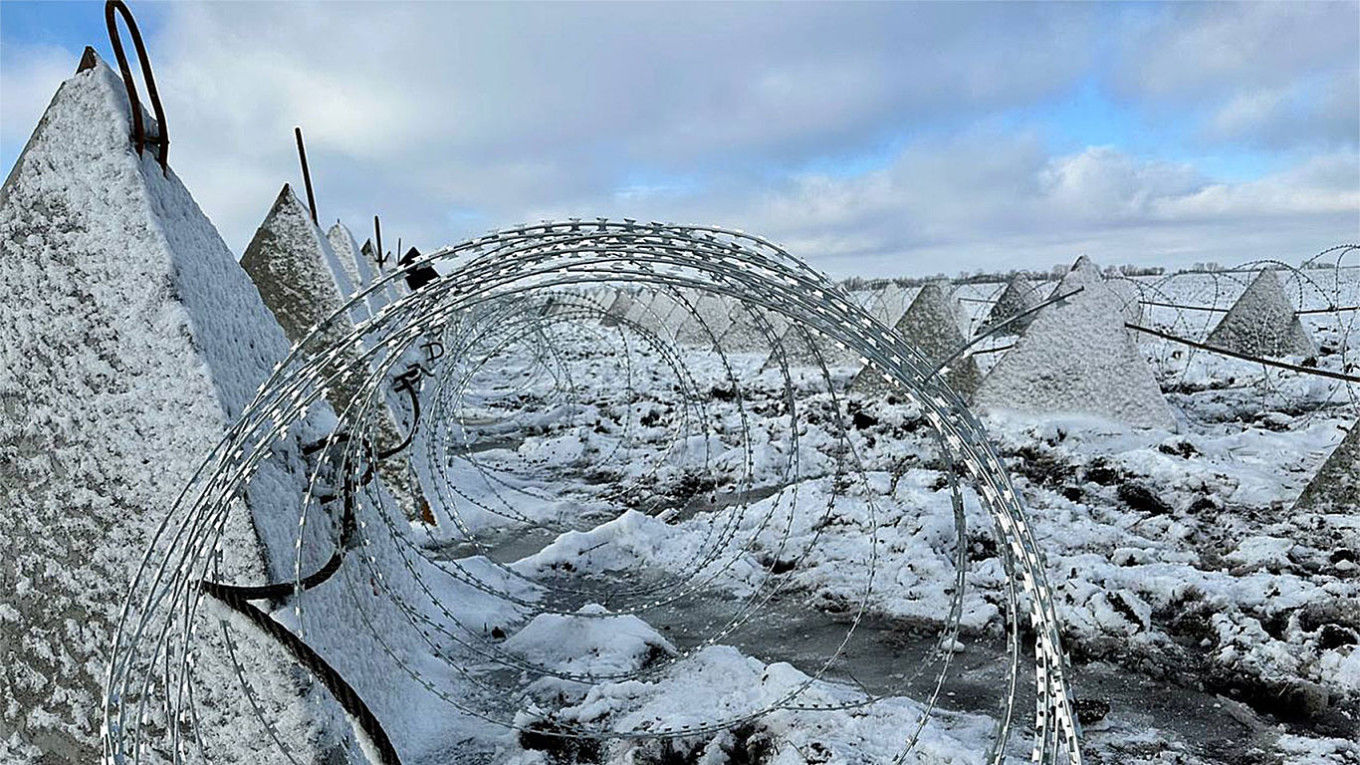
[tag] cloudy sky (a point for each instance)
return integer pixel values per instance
(874, 139)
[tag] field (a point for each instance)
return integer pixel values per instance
(776, 541)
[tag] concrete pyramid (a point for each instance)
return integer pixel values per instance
(1083, 272)
(892, 304)
(1077, 357)
(300, 279)
(1262, 323)
(356, 267)
(130, 340)
(804, 348)
(656, 317)
(1018, 296)
(931, 325)
(618, 307)
(744, 334)
(641, 306)
(391, 290)
(346, 251)
(303, 284)
(710, 315)
(575, 301)
(558, 302)
(668, 310)
(1336, 486)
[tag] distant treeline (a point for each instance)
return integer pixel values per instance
(856, 283)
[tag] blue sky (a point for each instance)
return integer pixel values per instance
(868, 138)
(64, 25)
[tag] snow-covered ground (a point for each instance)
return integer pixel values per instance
(722, 552)
(647, 550)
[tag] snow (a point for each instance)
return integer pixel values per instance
(1077, 357)
(1337, 482)
(589, 642)
(130, 340)
(932, 326)
(1018, 296)
(1262, 323)
(356, 267)
(670, 548)
(1220, 558)
(720, 682)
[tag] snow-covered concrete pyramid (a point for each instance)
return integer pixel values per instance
(1085, 272)
(303, 284)
(803, 347)
(709, 320)
(1336, 486)
(300, 279)
(355, 265)
(1018, 296)
(745, 333)
(931, 326)
(892, 303)
(656, 317)
(130, 340)
(640, 309)
(391, 290)
(664, 311)
(618, 307)
(1262, 323)
(1078, 357)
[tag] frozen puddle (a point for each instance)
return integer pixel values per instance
(881, 655)
(1126, 715)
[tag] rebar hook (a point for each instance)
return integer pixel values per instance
(139, 137)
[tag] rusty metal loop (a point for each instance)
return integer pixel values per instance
(139, 136)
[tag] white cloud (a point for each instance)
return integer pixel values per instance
(29, 75)
(413, 109)
(451, 118)
(1276, 74)
(989, 201)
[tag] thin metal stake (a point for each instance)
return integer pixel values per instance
(306, 174)
(377, 234)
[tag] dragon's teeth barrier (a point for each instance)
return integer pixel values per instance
(534, 412)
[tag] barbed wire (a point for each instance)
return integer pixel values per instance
(516, 344)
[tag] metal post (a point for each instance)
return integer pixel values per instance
(306, 174)
(377, 234)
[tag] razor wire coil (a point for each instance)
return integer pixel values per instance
(527, 351)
